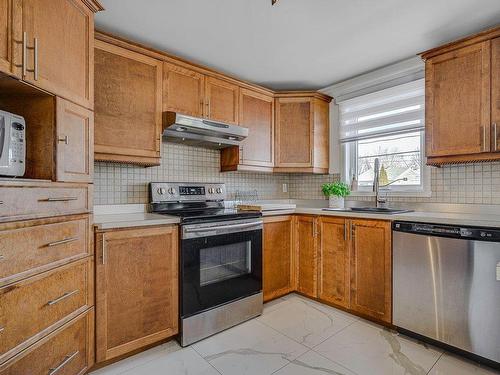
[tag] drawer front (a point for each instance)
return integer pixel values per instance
(32, 202)
(42, 245)
(35, 306)
(67, 351)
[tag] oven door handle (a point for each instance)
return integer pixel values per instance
(232, 226)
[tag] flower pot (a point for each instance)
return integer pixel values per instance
(335, 202)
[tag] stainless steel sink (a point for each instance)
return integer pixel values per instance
(373, 210)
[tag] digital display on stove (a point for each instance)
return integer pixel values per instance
(192, 190)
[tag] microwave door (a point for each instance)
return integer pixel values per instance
(4, 139)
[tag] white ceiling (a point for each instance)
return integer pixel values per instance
(299, 44)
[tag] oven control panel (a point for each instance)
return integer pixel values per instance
(185, 192)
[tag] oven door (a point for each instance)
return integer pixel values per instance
(220, 262)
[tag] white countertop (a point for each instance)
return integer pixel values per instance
(133, 219)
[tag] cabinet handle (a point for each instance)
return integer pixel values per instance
(209, 109)
(495, 140)
(66, 360)
(35, 42)
(66, 240)
(484, 138)
(58, 199)
(61, 298)
(35, 57)
(353, 231)
(2, 257)
(2, 329)
(103, 254)
(345, 232)
(65, 139)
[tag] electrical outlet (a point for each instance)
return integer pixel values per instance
(285, 188)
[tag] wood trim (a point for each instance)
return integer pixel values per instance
(462, 159)
(460, 43)
(245, 168)
(93, 5)
(127, 159)
(300, 170)
(303, 94)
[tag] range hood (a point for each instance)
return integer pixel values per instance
(201, 132)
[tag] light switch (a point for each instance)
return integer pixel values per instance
(285, 188)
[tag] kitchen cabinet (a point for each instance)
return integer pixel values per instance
(495, 93)
(128, 105)
(462, 99)
(302, 133)
(5, 36)
(221, 100)
(183, 90)
(278, 256)
(334, 264)
(58, 39)
(307, 255)
(136, 288)
(371, 269)
(256, 152)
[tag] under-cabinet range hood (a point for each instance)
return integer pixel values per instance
(201, 132)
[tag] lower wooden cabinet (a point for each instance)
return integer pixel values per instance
(346, 263)
(69, 349)
(136, 288)
(278, 263)
(307, 255)
(371, 269)
(334, 283)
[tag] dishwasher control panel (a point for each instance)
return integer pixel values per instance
(471, 233)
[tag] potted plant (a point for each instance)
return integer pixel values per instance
(336, 192)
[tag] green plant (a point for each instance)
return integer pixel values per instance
(338, 189)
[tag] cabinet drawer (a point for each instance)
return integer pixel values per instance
(69, 349)
(33, 307)
(28, 248)
(23, 202)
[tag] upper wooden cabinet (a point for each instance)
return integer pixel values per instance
(57, 37)
(221, 100)
(256, 152)
(334, 265)
(5, 36)
(371, 269)
(278, 256)
(128, 105)
(495, 93)
(461, 100)
(183, 90)
(302, 132)
(136, 289)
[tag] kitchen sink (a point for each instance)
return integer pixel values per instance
(374, 210)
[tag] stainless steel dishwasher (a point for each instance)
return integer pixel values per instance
(446, 285)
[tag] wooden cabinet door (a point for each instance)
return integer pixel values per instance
(6, 36)
(371, 269)
(278, 264)
(307, 257)
(221, 100)
(294, 137)
(75, 142)
(183, 90)
(458, 102)
(63, 62)
(128, 106)
(495, 94)
(136, 289)
(257, 114)
(334, 283)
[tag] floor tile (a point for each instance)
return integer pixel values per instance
(273, 305)
(139, 359)
(251, 348)
(451, 365)
(369, 349)
(312, 363)
(185, 361)
(307, 322)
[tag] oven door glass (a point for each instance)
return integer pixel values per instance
(219, 269)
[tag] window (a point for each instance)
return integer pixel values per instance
(388, 125)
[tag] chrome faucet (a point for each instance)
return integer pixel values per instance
(379, 201)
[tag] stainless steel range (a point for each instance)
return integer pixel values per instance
(220, 258)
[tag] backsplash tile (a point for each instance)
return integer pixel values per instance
(122, 184)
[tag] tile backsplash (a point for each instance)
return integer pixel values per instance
(122, 184)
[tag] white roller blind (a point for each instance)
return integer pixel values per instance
(396, 110)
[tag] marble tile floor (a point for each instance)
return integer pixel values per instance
(297, 336)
